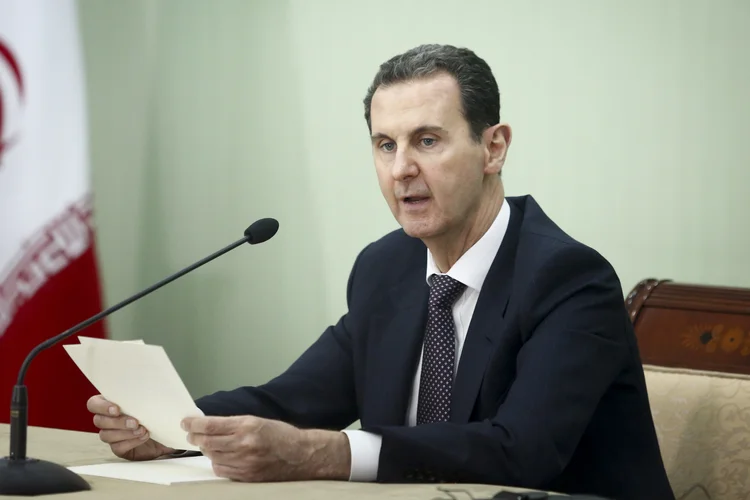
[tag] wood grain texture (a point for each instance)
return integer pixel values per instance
(691, 326)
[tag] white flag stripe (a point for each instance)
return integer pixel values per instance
(44, 170)
(47, 169)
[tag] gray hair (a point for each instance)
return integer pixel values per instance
(480, 97)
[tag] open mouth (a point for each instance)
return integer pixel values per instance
(414, 200)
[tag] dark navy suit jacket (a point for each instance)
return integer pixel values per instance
(549, 393)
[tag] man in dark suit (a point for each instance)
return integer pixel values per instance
(481, 344)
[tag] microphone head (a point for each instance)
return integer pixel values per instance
(261, 230)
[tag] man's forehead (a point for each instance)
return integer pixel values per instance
(414, 104)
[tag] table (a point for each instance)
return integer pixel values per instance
(71, 448)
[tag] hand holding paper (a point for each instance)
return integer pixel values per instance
(142, 381)
(126, 437)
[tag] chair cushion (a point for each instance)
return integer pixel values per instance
(702, 422)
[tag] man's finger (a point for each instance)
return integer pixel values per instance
(227, 472)
(120, 448)
(114, 436)
(123, 422)
(230, 458)
(211, 425)
(228, 465)
(97, 404)
(215, 442)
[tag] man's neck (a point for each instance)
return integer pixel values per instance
(451, 246)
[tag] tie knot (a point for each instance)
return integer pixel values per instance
(444, 291)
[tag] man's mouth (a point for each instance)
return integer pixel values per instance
(412, 200)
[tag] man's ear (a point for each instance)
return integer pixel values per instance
(497, 139)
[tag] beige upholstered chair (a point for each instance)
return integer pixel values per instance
(695, 346)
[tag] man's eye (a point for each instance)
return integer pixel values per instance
(387, 146)
(428, 141)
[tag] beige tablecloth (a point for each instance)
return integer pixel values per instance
(77, 448)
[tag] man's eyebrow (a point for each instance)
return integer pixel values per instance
(419, 130)
(377, 136)
(429, 128)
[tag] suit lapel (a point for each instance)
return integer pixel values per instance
(486, 323)
(396, 335)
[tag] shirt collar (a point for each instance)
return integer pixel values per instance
(472, 267)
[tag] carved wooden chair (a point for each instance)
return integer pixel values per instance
(694, 342)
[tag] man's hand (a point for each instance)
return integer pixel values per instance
(124, 435)
(253, 449)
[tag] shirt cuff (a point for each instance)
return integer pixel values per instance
(365, 452)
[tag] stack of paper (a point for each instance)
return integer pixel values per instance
(142, 381)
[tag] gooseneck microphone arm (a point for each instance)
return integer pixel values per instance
(54, 340)
(19, 402)
(16, 476)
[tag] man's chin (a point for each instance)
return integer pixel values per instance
(418, 230)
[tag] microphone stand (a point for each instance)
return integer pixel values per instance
(21, 475)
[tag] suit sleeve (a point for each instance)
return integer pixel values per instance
(576, 344)
(316, 391)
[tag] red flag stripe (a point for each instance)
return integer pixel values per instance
(52, 285)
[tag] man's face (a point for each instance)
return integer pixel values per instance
(429, 168)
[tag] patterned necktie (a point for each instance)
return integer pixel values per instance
(438, 358)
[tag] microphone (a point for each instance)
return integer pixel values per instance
(20, 475)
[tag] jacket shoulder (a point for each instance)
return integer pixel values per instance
(555, 268)
(384, 263)
(394, 250)
(555, 274)
(543, 242)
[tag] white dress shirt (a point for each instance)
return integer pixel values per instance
(471, 270)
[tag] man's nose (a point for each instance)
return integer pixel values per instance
(405, 166)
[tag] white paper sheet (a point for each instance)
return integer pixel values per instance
(169, 471)
(142, 381)
(90, 340)
(93, 340)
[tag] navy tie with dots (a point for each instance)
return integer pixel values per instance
(439, 351)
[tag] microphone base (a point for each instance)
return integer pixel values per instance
(31, 477)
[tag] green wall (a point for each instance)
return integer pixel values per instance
(629, 126)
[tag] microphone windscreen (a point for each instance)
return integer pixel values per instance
(261, 230)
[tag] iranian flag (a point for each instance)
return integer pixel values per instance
(48, 271)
